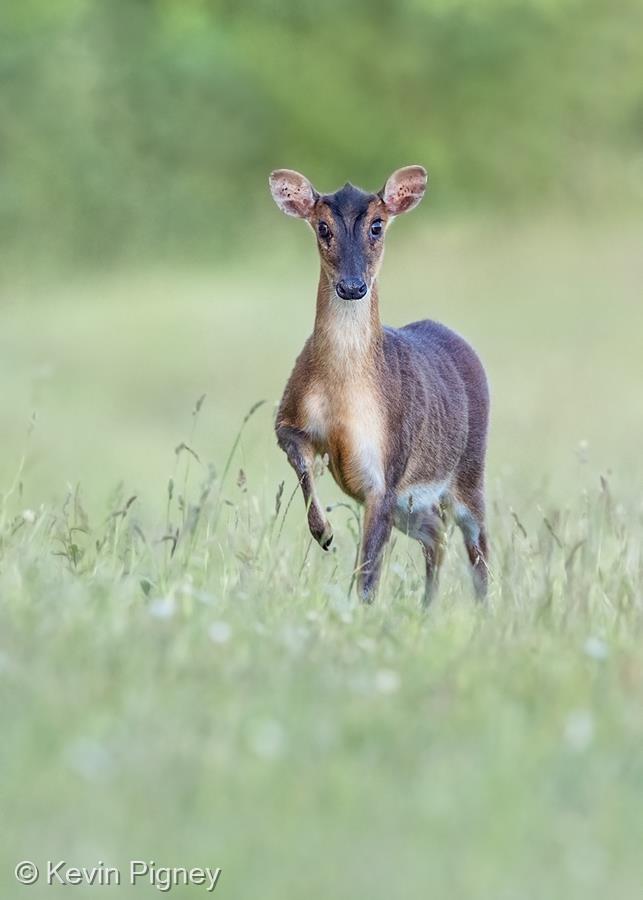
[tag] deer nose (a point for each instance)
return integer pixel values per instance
(351, 288)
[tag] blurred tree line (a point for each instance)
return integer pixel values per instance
(132, 129)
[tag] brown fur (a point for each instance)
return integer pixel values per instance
(401, 413)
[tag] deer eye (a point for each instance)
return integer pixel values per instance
(324, 230)
(377, 227)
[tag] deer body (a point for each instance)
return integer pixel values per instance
(400, 413)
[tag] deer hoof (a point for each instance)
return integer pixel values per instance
(326, 538)
(366, 593)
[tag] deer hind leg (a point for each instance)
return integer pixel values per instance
(433, 545)
(470, 517)
(427, 524)
(301, 455)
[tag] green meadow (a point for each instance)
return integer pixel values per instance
(186, 679)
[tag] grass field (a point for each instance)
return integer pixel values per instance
(185, 679)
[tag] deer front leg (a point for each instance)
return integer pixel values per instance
(301, 455)
(378, 522)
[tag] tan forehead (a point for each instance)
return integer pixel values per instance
(326, 210)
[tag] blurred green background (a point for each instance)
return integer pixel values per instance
(133, 129)
(144, 264)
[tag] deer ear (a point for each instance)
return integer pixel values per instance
(292, 193)
(404, 189)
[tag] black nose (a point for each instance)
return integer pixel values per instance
(351, 288)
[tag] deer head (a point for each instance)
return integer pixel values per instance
(350, 224)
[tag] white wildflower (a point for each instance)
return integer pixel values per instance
(219, 632)
(267, 739)
(88, 758)
(579, 730)
(162, 607)
(596, 648)
(387, 681)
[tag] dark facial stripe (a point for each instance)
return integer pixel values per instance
(349, 203)
(348, 207)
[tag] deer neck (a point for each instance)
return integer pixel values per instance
(348, 336)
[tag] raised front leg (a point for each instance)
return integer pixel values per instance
(378, 522)
(301, 455)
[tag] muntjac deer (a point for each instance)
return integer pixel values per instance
(402, 413)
